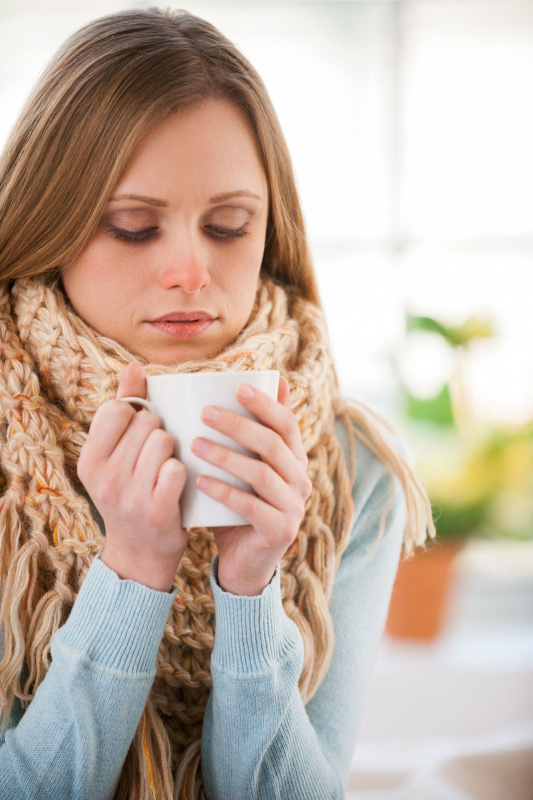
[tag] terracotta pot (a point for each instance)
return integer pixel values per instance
(420, 594)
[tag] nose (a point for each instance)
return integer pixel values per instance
(186, 264)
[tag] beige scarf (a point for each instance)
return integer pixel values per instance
(56, 371)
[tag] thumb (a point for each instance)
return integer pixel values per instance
(133, 382)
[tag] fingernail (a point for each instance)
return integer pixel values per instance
(211, 414)
(245, 391)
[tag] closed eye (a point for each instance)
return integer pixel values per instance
(133, 237)
(147, 234)
(227, 233)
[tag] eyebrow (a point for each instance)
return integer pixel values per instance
(153, 201)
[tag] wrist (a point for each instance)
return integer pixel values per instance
(249, 588)
(151, 573)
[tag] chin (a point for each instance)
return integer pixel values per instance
(179, 355)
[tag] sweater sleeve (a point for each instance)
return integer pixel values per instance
(259, 741)
(74, 736)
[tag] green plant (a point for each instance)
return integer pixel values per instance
(479, 476)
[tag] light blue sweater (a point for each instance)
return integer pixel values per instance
(259, 741)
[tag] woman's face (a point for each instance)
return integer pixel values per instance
(200, 235)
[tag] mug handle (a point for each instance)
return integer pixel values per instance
(140, 400)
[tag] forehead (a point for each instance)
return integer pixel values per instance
(210, 146)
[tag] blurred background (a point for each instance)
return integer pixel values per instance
(411, 130)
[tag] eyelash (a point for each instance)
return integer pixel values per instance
(142, 236)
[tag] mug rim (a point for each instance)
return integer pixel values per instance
(211, 372)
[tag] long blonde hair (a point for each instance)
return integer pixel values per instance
(109, 84)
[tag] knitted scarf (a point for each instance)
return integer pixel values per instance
(55, 372)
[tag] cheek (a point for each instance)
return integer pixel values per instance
(241, 274)
(250, 258)
(95, 276)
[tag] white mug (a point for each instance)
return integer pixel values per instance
(178, 401)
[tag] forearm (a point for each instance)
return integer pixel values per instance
(73, 738)
(257, 740)
(258, 737)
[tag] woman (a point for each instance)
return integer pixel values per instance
(141, 659)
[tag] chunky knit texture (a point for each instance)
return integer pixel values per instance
(258, 739)
(56, 371)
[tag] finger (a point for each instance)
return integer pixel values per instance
(157, 449)
(128, 450)
(108, 425)
(112, 419)
(133, 383)
(260, 476)
(275, 418)
(283, 390)
(268, 444)
(278, 418)
(171, 474)
(261, 515)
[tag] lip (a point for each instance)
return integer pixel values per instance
(183, 330)
(179, 316)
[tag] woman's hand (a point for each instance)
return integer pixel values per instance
(127, 467)
(248, 554)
